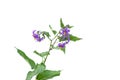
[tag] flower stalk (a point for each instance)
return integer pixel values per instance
(51, 46)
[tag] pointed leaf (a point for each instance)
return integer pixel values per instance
(62, 49)
(57, 48)
(30, 61)
(61, 23)
(47, 74)
(69, 26)
(74, 38)
(46, 33)
(42, 54)
(53, 31)
(39, 69)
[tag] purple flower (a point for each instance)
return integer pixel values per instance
(36, 36)
(65, 36)
(61, 45)
(65, 31)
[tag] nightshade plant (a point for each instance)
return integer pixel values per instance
(60, 41)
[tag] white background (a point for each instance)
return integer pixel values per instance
(96, 57)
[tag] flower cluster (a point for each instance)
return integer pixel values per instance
(64, 32)
(65, 36)
(36, 35)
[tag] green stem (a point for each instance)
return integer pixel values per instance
(55, 36)
(51, 46)
(48, 51)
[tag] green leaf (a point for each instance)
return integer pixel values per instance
(46, 33)
(69, 26)
(42, 54)
(39, 69)
(74, 38)
(30, 61)
(54, 31)
(63, 49)
(47, 74)
(61, 23)
(58, 48)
